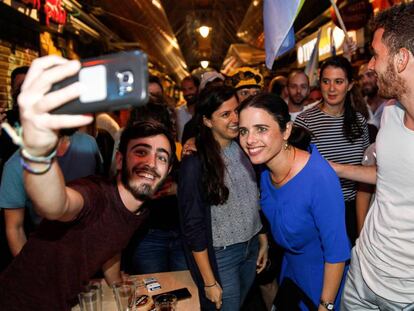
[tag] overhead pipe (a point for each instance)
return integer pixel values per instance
(90, 20)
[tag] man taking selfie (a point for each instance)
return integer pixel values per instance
(89, 222)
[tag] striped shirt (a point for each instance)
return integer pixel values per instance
(328, 136)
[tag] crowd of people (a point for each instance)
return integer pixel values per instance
(309, 187)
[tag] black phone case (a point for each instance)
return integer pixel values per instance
(182, 293)
(134, 61)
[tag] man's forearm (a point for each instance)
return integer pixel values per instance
(365, 174)
(47, 191)
(16, 238)
(112, 270)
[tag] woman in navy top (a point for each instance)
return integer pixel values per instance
(302, 199)
(219, 206)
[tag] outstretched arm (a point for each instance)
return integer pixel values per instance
(365, 174)
(14, 224)
(112, 270)
(47, 190)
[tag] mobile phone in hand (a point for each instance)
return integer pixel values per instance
(108, 83)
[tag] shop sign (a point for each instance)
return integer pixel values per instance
(54, 12)
(355, 13)
(380, 5)
(331, 37)
(34, 3)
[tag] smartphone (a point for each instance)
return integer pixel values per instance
(110, 82)
(182, 293)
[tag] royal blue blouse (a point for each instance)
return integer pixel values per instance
(307, 219)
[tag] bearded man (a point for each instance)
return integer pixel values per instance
(91, 220)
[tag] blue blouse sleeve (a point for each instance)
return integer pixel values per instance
(192, 208)
(328, 209)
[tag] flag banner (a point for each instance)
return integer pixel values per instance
(312, 66)
(278, 19)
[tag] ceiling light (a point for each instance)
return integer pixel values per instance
(204, 63)
(204, 31)
(157, 4)
(256, 2)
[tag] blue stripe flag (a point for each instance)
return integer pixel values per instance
(278, 18)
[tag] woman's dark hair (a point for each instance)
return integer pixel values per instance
(208, 148)
(155, 79)
(352, 127)
(278, 109)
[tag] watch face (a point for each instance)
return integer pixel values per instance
(330, 306)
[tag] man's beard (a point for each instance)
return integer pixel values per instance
(370, 90)
(143, 191)
(297, 103)
(389, 84)
(189, 98)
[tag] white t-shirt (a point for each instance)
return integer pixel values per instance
(293, 115)
(183, 116)
(106, 122)
(375, 117)
(386, 244)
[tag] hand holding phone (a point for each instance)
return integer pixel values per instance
(107, 83)
(39, 126)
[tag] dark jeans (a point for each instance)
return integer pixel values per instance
(237, 270)
(159, 251)
(350, 221)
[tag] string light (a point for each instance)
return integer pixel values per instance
(204, 31)
(204, 64)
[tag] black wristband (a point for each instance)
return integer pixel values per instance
(207, 286)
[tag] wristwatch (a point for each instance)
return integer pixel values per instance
(328, 305)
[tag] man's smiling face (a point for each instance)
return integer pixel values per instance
(146, 165)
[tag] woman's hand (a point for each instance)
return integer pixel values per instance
(263, 253)
(350, 47)
(3, 115)
(35, 102)
(169, 187)
(189, 147)
(214, 294)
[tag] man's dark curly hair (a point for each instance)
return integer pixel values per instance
(398, 25)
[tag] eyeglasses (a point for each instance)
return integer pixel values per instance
(245, 75)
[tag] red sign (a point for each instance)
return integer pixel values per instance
(384, 4)
(33, 3)
(356, 13)
(54, 12)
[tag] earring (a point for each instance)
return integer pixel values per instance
(286, 145)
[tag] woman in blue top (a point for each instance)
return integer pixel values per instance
(302, 199)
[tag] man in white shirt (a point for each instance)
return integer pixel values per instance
(298, 90)
(189, 87)
(369, 86)
(381, 276)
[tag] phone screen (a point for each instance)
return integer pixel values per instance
(93, 84)
(182, 293)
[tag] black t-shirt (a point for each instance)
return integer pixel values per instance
(59, 257)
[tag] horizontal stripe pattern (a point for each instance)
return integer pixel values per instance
(328, 136)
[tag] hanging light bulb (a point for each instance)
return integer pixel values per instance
(204, 31)
(204, 64)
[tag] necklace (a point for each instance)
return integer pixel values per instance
(290, 169)
(333, 114)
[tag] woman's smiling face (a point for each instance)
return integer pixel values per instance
(260, 135)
